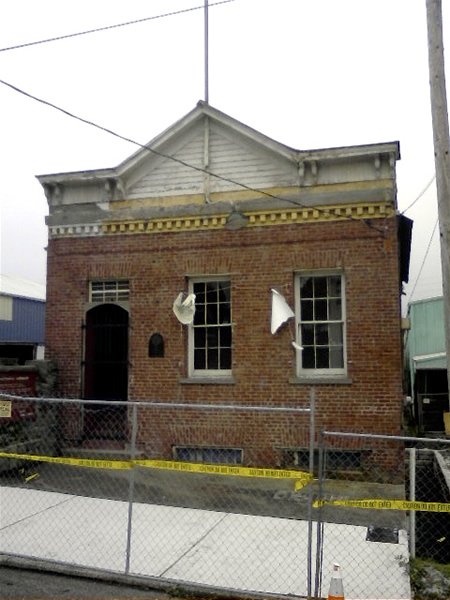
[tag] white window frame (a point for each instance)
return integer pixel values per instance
(109, 290)
(329, 371)
(6, 308)
(207, 373)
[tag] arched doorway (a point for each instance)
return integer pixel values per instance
(106, 372)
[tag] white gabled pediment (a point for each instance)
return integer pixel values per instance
(207, 142)
(179, 167)
(207, 157)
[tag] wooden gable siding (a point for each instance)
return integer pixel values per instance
(233, 157)
(240, 160)
(167, 176)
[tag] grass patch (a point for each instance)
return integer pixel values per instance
(429, 580)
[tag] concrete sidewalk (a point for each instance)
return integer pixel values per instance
(242, 553)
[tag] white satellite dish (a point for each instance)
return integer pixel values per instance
(184, 309)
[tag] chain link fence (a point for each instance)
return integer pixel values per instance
(382, 509)
(113, 487)
(356, 475)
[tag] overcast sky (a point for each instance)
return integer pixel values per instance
(308, 73)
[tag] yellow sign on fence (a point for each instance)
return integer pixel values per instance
(5, 409)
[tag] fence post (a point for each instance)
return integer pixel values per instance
(131, 478)
(312, 407)
(412, 497)
(319, 542)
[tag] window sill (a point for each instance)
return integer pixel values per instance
(322, 380)
(230, 380)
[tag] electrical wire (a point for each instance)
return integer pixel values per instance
(134, 142)
(108, 27)
(421, 194)
(178, 160)
(424, 260)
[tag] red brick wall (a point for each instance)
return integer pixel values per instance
(255, 259)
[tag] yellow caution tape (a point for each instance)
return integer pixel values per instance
(77, 462)
(301, 477)
(301, 483)
(387, 505)
(223, 469)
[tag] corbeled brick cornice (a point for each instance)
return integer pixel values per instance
(261, 218)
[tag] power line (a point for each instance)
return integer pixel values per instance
(131, 141)
(424, 260)
(108, 27)
(178, 160)
(421, 194)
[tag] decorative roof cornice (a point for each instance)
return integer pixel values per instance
(203, 110)
(260, 218)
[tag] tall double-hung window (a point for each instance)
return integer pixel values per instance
(320, 319)
(210, 335)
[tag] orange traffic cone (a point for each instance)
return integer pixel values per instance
(336, 591)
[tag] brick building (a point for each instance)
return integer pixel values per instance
(213, 208)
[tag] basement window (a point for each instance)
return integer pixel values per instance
(111, 290)
(385, 535)
(199, 454)
(334, 460)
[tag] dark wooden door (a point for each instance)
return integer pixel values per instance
(106, 371)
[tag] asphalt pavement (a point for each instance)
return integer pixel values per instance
(20, 580)
(24, 583)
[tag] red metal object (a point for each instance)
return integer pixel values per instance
(18, 383)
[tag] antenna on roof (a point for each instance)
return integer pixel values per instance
(206, 54)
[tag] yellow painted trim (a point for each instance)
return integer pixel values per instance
(294, 215)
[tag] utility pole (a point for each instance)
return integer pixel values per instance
(206, 53)
(441, 139)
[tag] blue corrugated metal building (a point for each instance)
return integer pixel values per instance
(22, 320)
